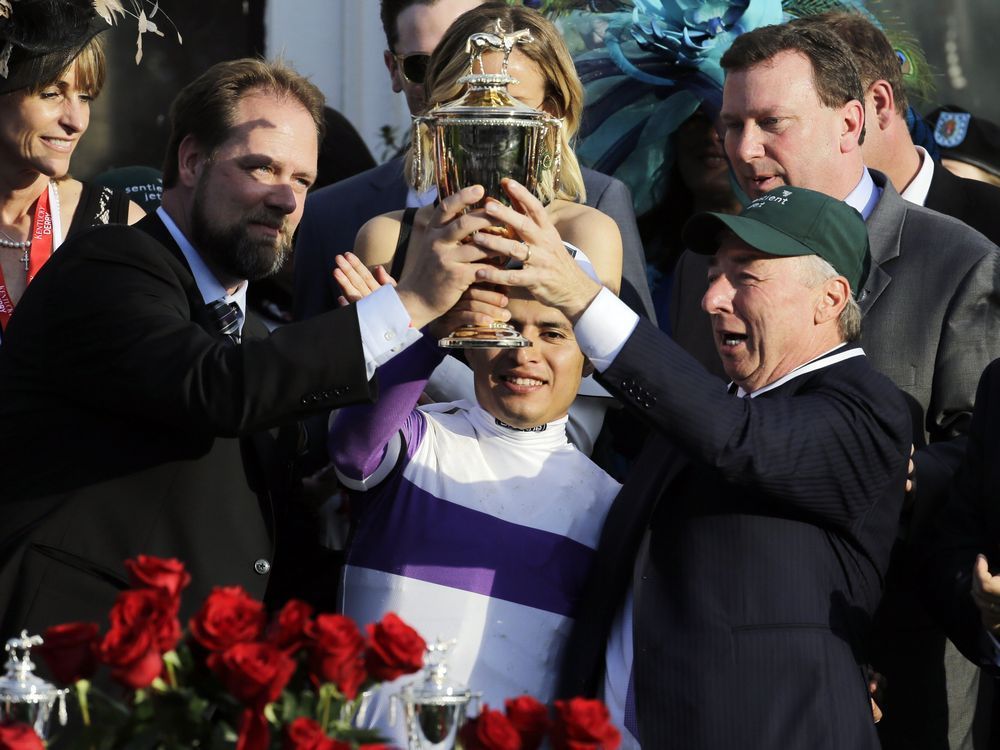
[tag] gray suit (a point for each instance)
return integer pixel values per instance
(931, 307)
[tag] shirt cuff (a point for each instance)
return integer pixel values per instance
(385, 327)
(604, 328)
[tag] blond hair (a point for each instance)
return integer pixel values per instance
(563, 91)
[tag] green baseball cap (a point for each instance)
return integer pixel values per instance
(792, 221)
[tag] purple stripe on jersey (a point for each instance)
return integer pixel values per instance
(409, 532)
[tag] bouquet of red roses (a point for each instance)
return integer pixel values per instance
(233, 678)
(580, 724)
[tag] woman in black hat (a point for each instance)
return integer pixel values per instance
(52, 66)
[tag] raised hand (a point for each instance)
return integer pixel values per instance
(548, 272)
(444, 264)
(986, 594)
(355, 280)
(476, 306)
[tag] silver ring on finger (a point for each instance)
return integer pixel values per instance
(527, 252)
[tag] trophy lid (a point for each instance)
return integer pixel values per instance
(23, 695)
(20, 684)
(436, 688)
(488, 91)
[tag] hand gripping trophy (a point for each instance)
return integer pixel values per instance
(480, 138)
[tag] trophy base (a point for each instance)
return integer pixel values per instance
(492, 336)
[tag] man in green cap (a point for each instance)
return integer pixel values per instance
(740, 565)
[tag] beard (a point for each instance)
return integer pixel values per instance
(232, 248)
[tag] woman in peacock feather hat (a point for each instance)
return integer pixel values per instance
(653, 90)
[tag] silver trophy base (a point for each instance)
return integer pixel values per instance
(492, 336)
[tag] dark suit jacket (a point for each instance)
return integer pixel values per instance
(974, 202)
(764, 528)
(120, 426)
(334, 215)
(967, 525)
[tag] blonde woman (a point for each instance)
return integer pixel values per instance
(45, 98)
(546, 80)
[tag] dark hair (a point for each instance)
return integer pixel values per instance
(389, 12)
(206, 107)
(835, 74)
(872, 51)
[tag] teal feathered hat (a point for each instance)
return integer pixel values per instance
(648, 65)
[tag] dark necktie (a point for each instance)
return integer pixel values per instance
(226, 317)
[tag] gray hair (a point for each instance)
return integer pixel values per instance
(815, 270)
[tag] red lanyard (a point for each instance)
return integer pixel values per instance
(40, 252)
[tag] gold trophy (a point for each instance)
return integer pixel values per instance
(480, 138)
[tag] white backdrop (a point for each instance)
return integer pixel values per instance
(339, 45)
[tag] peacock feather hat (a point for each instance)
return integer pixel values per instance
(648, 65)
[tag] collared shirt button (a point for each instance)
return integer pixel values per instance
(262, 566)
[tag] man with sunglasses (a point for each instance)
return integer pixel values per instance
(335, 213)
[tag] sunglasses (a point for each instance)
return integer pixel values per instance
(414, 67)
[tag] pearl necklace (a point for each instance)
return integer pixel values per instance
(5, 241)
(24, 245)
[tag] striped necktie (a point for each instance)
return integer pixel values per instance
(226, 316)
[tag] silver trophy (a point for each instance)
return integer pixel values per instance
(24, 697)
(434, 708)
(479, 139)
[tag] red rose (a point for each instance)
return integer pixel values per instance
(491, 730)
(530, 718)
(17, 736)
(288, 629)
(141, 607)
(254, 731)
(306, 734)
(68, 651)
(133, 655)
(167, 575)
(336, 653)
(394, 649)
(228, 616)
(584, 724)
(255, 673)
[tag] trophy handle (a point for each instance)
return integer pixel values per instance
(421, 144)
(550, 167)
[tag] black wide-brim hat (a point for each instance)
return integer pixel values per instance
(40, 38)
(962, 136)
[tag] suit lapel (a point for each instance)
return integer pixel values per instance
(885, 225)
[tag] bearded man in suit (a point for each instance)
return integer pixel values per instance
(135, 389)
